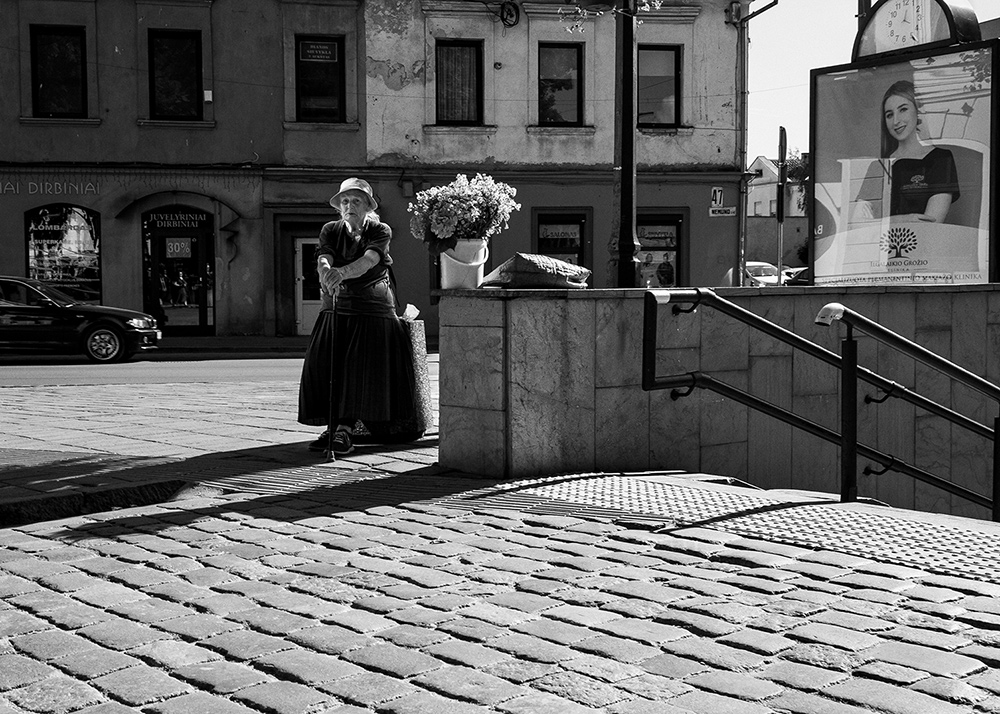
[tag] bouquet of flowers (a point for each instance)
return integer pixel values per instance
(462, 209)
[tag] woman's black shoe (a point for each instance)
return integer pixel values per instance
(321, 443)
(342, 443)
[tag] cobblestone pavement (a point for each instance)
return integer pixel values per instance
(256, 578)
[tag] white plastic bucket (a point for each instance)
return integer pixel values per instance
(462, 266)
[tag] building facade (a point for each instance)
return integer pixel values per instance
(762, 219)
(178, 156)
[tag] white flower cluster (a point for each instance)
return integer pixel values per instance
(576, 16)
(462, 209)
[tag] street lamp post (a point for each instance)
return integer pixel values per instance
(624, 160)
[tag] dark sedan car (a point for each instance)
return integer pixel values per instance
(803, 277)
(36, 317)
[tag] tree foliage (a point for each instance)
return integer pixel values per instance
(575, 15)
(797, 165)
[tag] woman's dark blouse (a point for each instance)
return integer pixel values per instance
(914, 181)
(335, 241)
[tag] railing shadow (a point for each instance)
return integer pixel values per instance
(356, 491)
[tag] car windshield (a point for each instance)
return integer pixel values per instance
(762, 270)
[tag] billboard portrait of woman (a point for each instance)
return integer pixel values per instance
(924, 180)
(907, 203)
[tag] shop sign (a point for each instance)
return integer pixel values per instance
(560, 236)
(657, 236)
(178, 247)
(318, 51)
(185, 221)
(50, 188)
(562, 241)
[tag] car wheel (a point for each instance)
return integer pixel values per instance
(104, 343)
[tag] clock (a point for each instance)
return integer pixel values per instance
(902, 25)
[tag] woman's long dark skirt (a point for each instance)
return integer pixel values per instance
(373, 373)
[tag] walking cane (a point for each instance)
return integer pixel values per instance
(330, 456)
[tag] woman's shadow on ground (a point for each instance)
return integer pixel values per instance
(66, 486)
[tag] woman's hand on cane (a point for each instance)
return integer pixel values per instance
(331, 280)
(330, 277)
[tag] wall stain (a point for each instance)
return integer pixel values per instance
(392, 16)
(394, 74)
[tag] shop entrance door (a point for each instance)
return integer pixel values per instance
(179, 255)
(307, 295)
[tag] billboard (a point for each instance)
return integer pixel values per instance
(901, 167)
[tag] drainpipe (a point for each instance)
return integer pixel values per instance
(742, 47)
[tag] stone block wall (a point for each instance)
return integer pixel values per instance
(538, 382)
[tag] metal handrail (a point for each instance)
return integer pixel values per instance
(707, 297)
(834, 311)
(691, 380)
(850, 448)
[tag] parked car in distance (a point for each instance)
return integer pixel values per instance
(36, 317)
(759, 273)
(788, 274)
(802, 277)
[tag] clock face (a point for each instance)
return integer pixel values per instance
(903, 25)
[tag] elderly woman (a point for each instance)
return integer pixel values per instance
(358, 329)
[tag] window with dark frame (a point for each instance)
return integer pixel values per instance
(175, 82)
(562, 236)
(459, 86)
(319, 79)
(59, 71)
(658, 82)
(560, 84)
(660, 240)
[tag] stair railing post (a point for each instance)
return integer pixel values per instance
(996, 470)
(849, 418)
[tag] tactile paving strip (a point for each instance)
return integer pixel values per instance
(937, 547)
(819, 525)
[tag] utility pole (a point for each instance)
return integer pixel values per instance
(625, 131)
